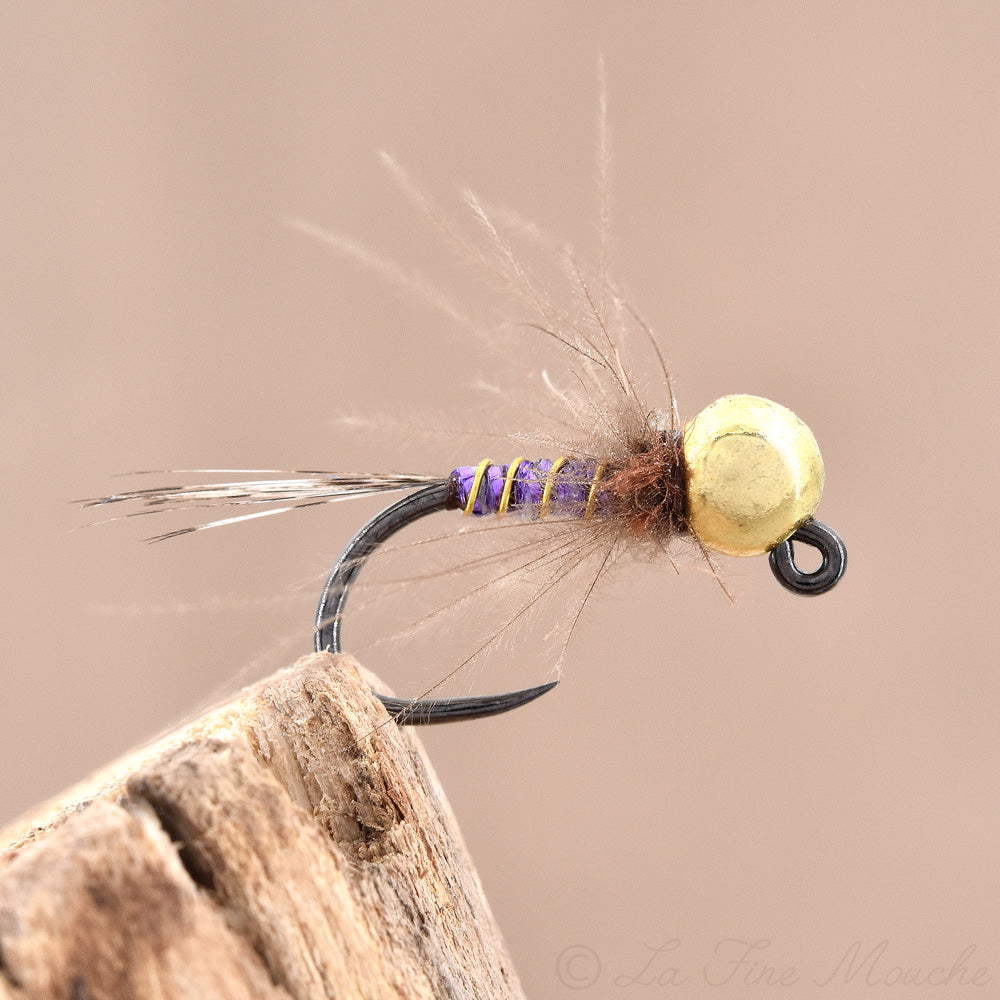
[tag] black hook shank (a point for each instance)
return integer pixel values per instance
(441, 496)
(329, 613)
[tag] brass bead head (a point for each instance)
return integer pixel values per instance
(754, 474)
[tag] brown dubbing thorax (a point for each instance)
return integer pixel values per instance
(647, 491)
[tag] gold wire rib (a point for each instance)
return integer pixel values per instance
(476, 482)
(588, 511)
(550, 481)
(508, 484)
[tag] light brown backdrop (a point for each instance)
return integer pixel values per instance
(807, 208)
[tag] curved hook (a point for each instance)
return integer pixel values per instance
(329, 613)
(831, 547)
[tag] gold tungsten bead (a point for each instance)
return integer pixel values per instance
(754, 474)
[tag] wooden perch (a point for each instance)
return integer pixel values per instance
(289, 844)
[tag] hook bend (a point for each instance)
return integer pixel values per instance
(330, 612)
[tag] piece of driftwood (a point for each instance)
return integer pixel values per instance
(293, 843)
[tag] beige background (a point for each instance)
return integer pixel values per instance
(807, 208)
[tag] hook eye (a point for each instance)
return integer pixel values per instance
(832, 549)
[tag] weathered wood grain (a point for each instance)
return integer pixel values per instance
(293, 843)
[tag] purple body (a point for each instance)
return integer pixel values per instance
(570, 488)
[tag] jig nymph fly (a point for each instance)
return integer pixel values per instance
(744, 477)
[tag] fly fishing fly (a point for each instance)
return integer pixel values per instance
(623, 475)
